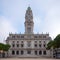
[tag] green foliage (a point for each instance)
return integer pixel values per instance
(55, 43)
(49, 45)
(1, 46)
(4, 47)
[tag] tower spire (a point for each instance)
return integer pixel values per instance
(29, 21)
(29, 14)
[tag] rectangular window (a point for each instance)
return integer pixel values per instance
(13, 41)
(17, 41)
(13, 52)
(17, 45)
(39, 41)
(29, 52)
(44, 41)
(44, 36)
(35, 41)
(22, 36)
(22, 45)
(22, 52)
(13, 45)
(13, 37)
(17, 52)
(44, 52)
(40, 36)
(21, 41)
(39, 45)
(35, 36)
(35, 45)
(40, 52)
(44, 45)
(18, 36)
(35, 52)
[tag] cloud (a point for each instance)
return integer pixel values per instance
(52, 21)
(48, 12)
(5, 28)
(37, 24)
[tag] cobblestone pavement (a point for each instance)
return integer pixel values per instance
(28, 59)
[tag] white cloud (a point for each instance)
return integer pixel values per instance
(50, 9)
(52, 21)
(5, 28)
(37, 24)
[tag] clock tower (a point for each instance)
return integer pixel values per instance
(29, 24)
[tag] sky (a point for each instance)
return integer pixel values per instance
(46, 17)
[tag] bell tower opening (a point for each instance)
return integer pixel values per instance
(29, 24)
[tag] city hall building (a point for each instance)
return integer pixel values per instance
(28, 44)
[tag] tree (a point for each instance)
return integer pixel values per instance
(4, 48)
(1, 46)
(49, 45)
(55, 43)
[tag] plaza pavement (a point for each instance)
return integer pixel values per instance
(28, 59)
